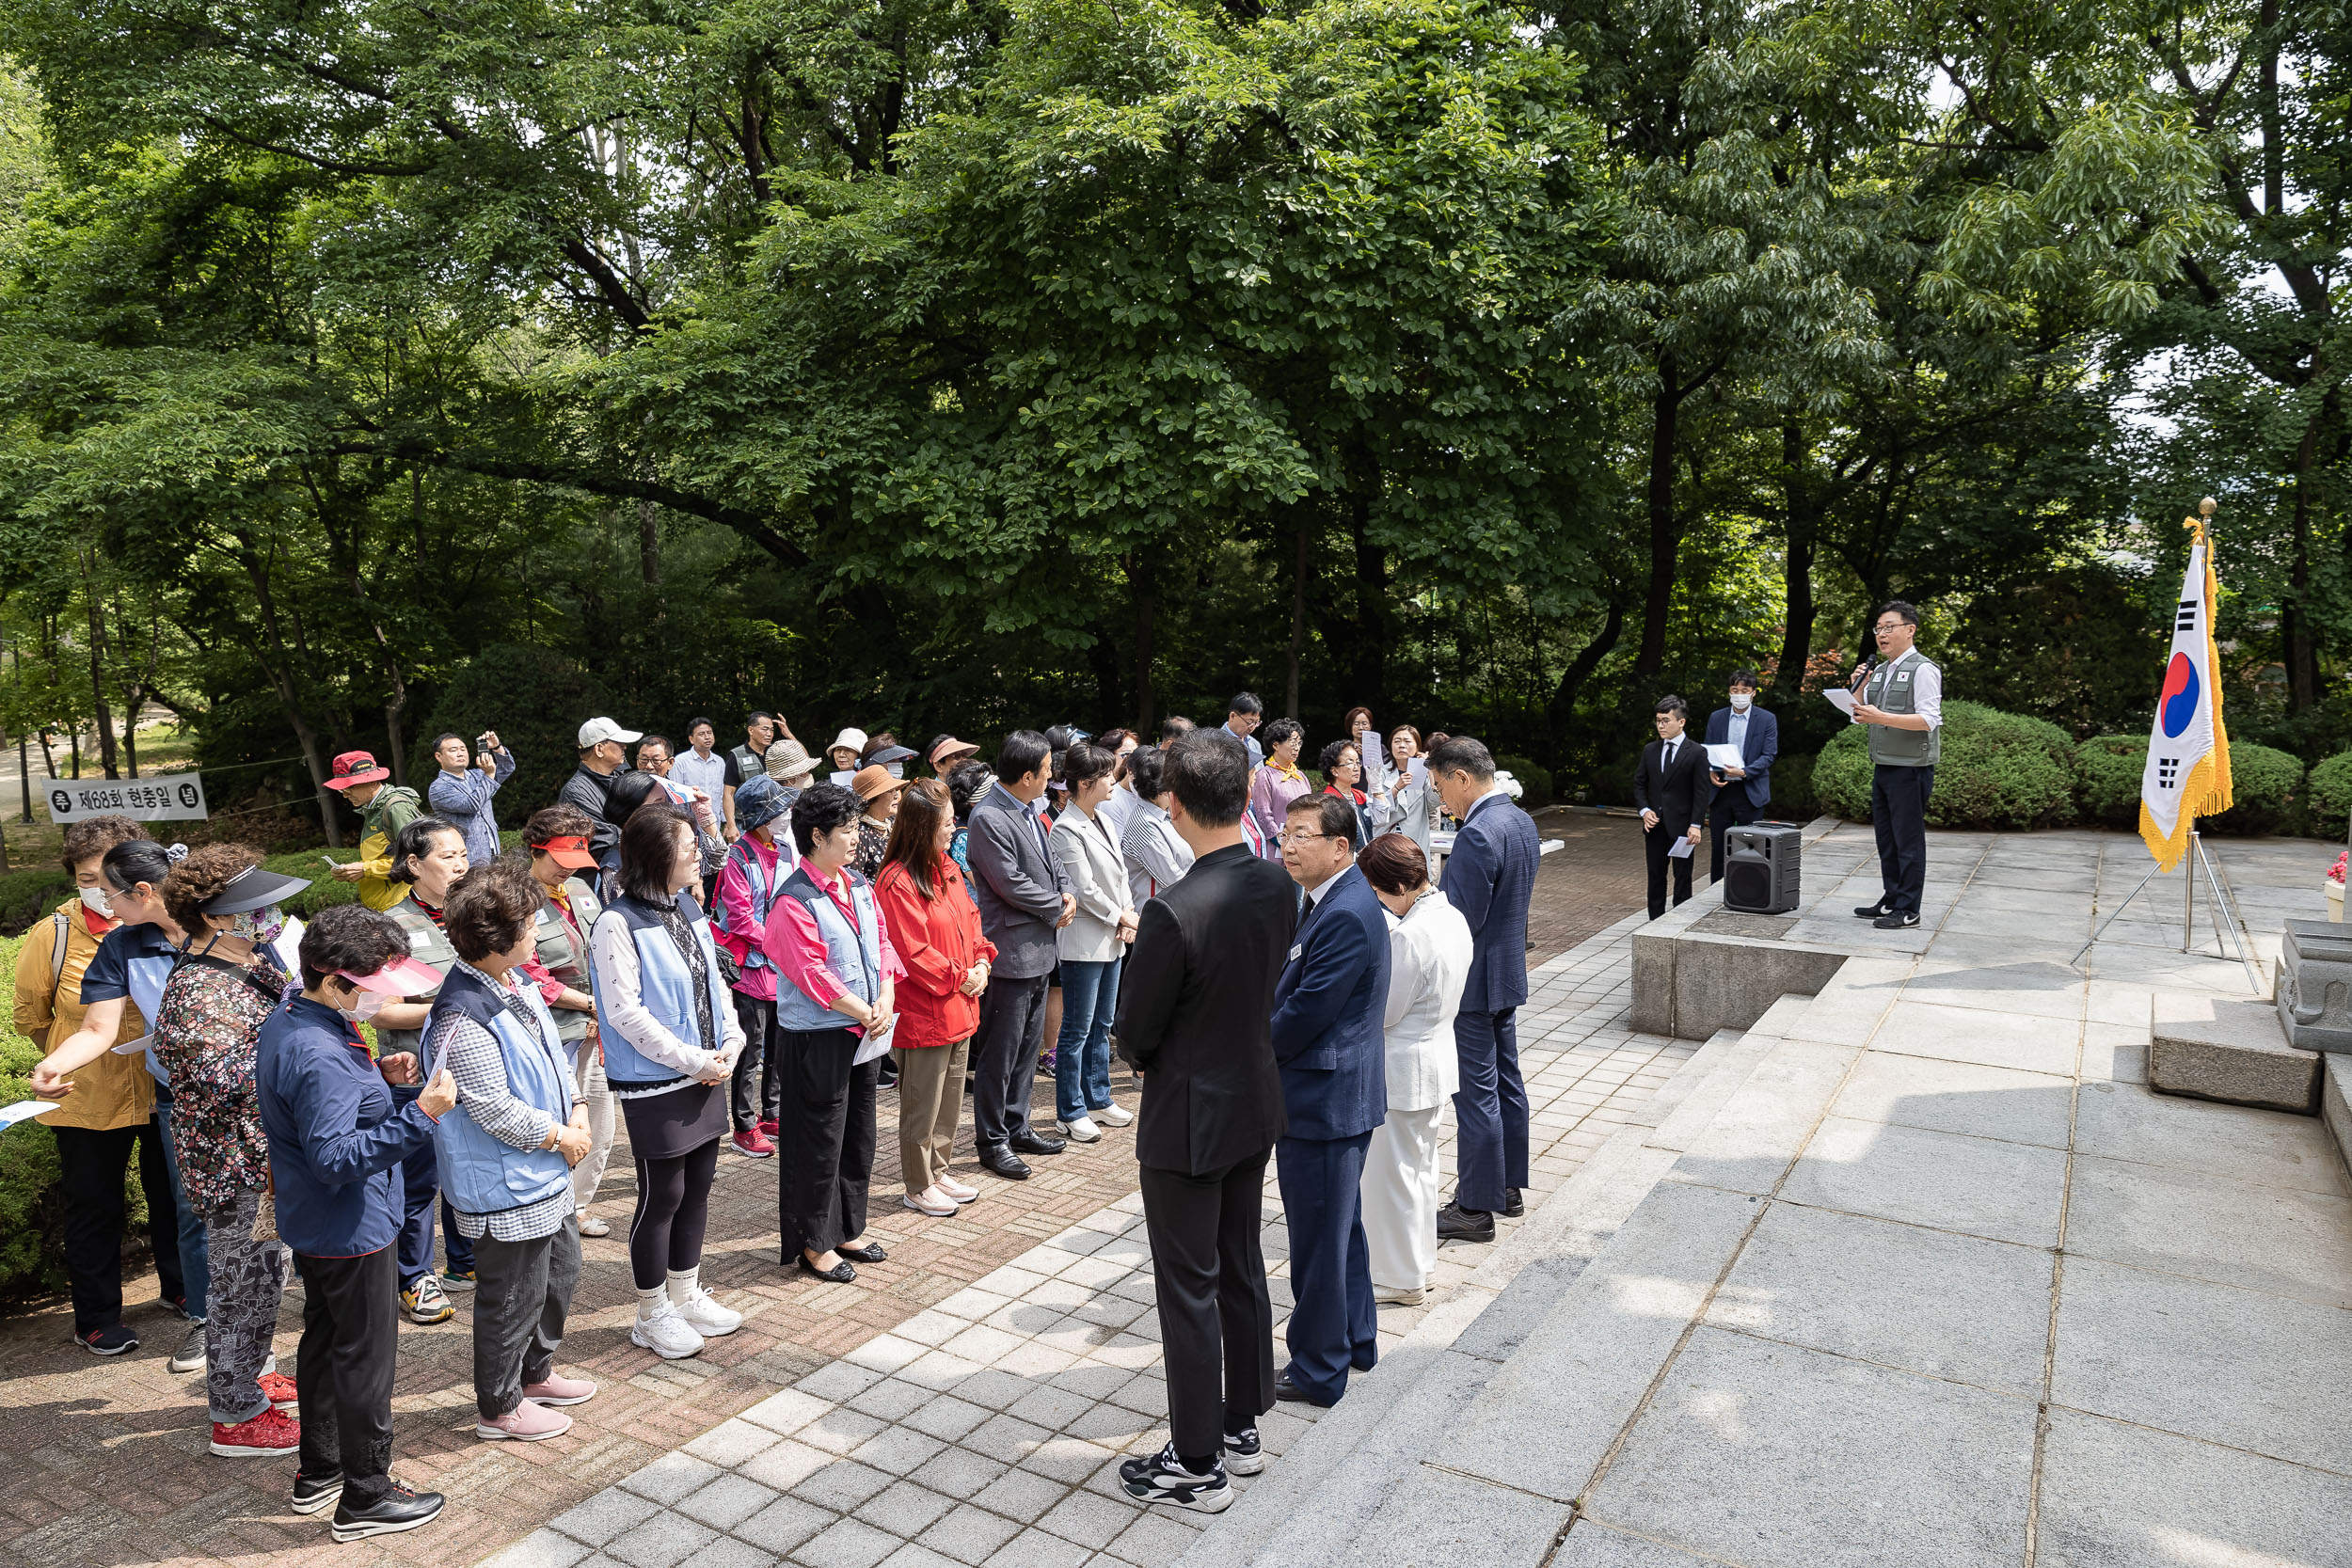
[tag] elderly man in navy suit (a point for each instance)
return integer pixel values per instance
(1489, 877)
(1744, 791)
(1329, 1008)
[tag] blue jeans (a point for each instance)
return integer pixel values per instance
(1082, 1056)
(195, 1266)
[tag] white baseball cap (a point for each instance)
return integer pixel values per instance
(597, 731)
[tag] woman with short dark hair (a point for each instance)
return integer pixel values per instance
(507, 1155)
(671, 1039)
(1343, 768)
(429, 855)
(1276, 782)
(835, 1001)
(335, 1134)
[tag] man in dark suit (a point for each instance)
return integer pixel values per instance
(1741, 793)
(1490, 878)
(1024, 897)
(1193, 1021)
(1671, 788)
(1327, 1036)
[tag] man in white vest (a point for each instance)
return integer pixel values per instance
(1901, 699)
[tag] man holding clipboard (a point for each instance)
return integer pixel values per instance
(1742, 741)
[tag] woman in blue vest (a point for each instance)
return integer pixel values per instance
(506, 1154)
(671, 1040)
(756, 867)
(835, 964)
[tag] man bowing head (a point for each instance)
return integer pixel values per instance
(1327, 1041)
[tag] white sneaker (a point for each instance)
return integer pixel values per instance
(1082, 1131)
(704, 1316)
(1114, 1116)
(665, 1333)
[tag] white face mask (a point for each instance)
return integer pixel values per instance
(94, 900)
(370, 1004)
(1740, 701)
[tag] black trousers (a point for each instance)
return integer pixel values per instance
(1217, 1325)
(825, 1161)
(1655, 842)
(91, 1163)
(1004, 1061)
(344, 1369)
(1730, 809)
(1898, 814)
(759, 1087)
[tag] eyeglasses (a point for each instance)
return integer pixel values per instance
(1303, 839)
(1890, 626)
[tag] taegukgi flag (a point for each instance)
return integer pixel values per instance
(2187, 775)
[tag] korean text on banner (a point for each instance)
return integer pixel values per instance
(170, 797)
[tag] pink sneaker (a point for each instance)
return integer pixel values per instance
(269, 1435)
(768, 1129)
(752, 1141)
(281, 1389)
(527, 1423)
(956, 1190)
(559, 1389)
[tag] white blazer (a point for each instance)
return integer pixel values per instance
(1098, 879)
(1429, 961)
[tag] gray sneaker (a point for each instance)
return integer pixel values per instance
(189, 1357)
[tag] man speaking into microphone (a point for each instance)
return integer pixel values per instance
(1901, 699)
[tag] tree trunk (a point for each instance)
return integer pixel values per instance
(2295, 614)
(1102, 658)
(97, 673)
(1298, 626)
(648, 542)
(1560, 713)
(1803, 522)
(24, 777)
(281, 671)
(1665, 542)
(1368, 668)
(1143, 586)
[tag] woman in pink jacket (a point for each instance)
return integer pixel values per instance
(756, 867)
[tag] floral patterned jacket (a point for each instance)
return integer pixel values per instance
(208, 1025)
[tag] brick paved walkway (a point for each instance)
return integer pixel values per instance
(109, 1456)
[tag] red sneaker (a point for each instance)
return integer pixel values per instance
(281, 1389)
(272, 1435)
(768, 1129)
(754, 1143)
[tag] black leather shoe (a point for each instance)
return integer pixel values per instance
(870, 1253)
(1871, 911)
(1285, 1389)
(317, 1494)
(395, 1511)
(1036, 1143)
(1898, 922)
(997, 1162)
(1514, 1204)
(1457, 1224)
(840, 1273)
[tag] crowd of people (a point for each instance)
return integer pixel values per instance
(742, 950)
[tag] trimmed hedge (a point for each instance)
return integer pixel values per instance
(2331, 795)
(2108, 769)
(2266, 784)
(1534, 780)
(1998, 771)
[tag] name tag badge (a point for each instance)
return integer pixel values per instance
(419, 941)
(1298, 950)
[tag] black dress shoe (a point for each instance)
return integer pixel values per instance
(397, 1509)
(1514, 1204)
(870, 1253)
(1457, 1224)
(1871, 911)
(1898, 922)
(997, 1162)
(1036, 1143)
(1285, 1389)
(840, 1273)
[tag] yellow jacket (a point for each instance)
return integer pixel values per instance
(112, 1091)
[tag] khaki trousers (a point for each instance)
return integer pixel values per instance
(931, 1097)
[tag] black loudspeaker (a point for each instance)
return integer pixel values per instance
(1763, 868)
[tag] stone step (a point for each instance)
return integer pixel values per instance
(2335, 1100)
(1327, 1488)
(2212, 1048)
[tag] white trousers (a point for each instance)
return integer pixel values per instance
(1400, 1192)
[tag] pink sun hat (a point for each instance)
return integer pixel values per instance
(400, 977)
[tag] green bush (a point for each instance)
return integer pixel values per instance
(2108, 769)
(1534, 780)
(536, 701)
(1998, 771)
(27, 895)
(2265, 793)
(2331, 795)
(1793, 800)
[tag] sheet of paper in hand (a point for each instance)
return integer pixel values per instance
(1839, 698)
(1723, 755)
(25, 1110)
(875, 1043)
(1681, 851)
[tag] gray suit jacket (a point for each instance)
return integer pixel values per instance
(1018, 882)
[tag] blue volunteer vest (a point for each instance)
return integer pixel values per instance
(480, 1174)
(853, 953)
(761, 879)
(146, 975)
(665, 986)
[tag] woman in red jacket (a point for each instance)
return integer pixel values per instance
(936, 928)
